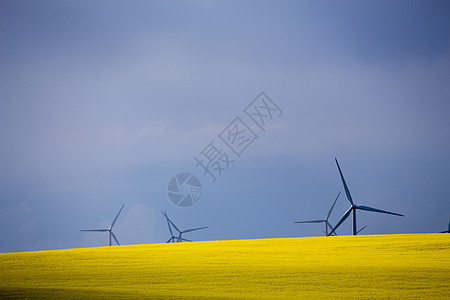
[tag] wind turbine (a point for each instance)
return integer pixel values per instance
(109, 229)
(355, 207)
(327, 224)
(178, 238)
(448, 230)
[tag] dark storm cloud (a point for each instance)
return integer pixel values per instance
(103, 102)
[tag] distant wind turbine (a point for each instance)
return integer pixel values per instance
(361, 229)
(448, 230)
(327, 224)
(109, 229)
(355, 207)
(178, 238)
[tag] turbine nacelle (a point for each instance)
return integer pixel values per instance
(111, 233)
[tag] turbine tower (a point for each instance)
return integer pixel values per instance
(448, 230)
(327, 224)
(178, 238)
(353, 207)
(111, 233)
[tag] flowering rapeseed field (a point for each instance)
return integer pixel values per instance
(384, 266)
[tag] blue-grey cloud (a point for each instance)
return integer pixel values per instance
(102, 103)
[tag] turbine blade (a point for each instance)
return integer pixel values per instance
(115, 219)
(115, 238)
(174, 226)
(170, 227)
(168, 241)
(334, 203)
(99, 230)
(347, 192)
(367, 208)
(344, 217)
(331, 227)
(313, 221)
(189, 230)
(448, 230)
(169, 222)
(361, 229)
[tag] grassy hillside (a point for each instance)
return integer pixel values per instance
(396, 266)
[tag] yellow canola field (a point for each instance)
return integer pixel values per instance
(384, 266)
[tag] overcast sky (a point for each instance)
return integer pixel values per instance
(103, 102)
